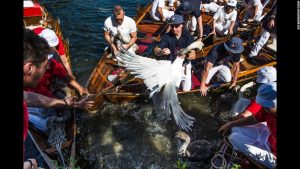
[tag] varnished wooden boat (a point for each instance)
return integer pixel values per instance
(127, 88)
(43, 18)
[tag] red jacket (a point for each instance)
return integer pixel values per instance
(55, 70)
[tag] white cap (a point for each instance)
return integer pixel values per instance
(27, 4)
(50, 37)
(232, 3)
(267, 95)
(266, 74)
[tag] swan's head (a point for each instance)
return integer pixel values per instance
(195, 45)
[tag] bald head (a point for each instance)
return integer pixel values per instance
(119, 14)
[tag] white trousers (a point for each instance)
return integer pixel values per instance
(250, 13)
(222, 28)
(253, 141)
(211, 7)
(261, 42)
(186, 80)
(192, 24)
(223, 71)
(167, 14)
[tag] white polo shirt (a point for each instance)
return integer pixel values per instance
(127, 27)
(222, 17)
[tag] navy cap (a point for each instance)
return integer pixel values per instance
(175, 19)
(185, 8)
(234, 45)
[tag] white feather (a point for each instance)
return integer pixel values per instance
(158, 74)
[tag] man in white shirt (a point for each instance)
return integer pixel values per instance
(120, 27)
(224, 19)
(160, 12)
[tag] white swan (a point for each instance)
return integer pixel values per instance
(161, 77)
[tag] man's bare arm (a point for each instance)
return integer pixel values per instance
(38, 100)
(133, 39)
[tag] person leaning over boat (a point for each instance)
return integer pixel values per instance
(119, 26)
(58, 47)
(53, 84)
(269, 29)
(160, 12)
(251, 137)
(224, 19)
(190, 10)
(217, 61)
(172, 42)
(266, 74)
(35, 52)
(53, 41)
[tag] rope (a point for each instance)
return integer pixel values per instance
(221, 154)
(57, 137)
(224, 162)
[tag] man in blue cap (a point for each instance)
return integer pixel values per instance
(217, 62)
(190, 10)
(172, 42)
(250, 135)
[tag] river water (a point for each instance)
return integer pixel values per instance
(129, 135)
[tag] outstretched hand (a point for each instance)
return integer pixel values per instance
(84, 104)
(224, 129)
(233, 84)
(203, 90)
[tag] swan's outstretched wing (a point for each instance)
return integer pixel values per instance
(158, 73)
(155, 73)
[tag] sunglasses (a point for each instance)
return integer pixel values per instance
(175, 25)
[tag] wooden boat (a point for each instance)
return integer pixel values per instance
(127, 88)
(39, 16)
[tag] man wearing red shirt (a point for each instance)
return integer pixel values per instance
(252, 139)
(35, 52)
(35, 61)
